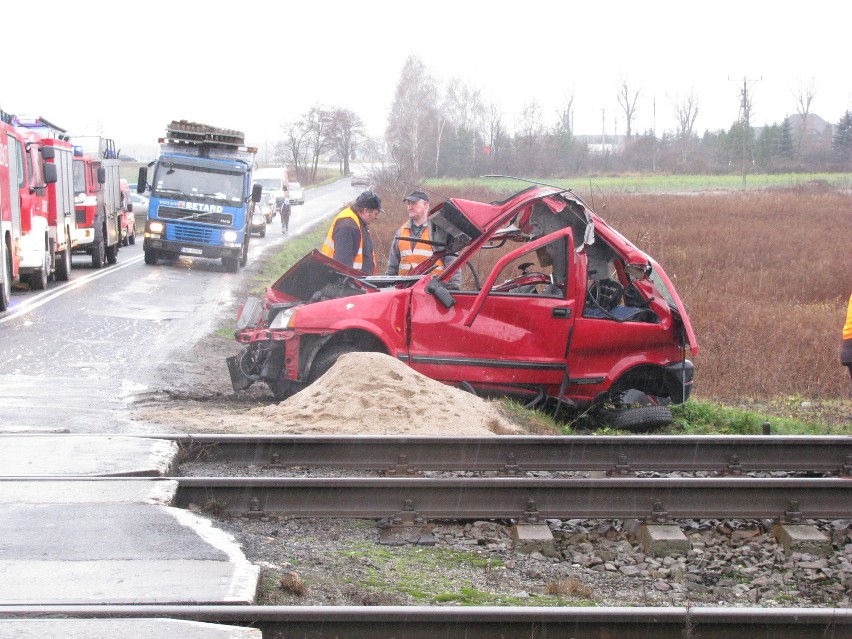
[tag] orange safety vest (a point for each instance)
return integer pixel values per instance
(847, 328)
(328, 245)
(412, 252)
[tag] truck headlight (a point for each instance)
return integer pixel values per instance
(156, 227)
(229, 236)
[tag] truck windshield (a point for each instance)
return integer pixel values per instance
(198, 183)
(79, 171)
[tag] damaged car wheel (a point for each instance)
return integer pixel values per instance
(641, 419)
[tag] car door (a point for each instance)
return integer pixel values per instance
(508, 336)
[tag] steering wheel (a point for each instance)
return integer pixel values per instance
(605, 294)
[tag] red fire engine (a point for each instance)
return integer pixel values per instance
(24, 179)
(97, 199)
(54, 147)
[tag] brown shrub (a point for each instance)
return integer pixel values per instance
(568, 588)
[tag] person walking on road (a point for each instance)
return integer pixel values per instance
(407, 250)
(348, 240)
(285, 215)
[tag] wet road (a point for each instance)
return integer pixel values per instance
(73, 356)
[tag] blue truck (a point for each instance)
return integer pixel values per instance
(200, 196)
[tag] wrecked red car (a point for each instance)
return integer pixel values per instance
(555, 308)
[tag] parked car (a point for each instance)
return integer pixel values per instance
(297, 195)
(360, 179)
(564, 312)
(267, 205)
(258, 222)
(140, 204)
(128, 225)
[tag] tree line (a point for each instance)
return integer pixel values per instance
(450, 130)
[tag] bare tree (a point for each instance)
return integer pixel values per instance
(627, 104)
(412, 118)
(346, 127)
(686, 111)
(564, 123)
(804, 94)
(494, 132)
(294, 149)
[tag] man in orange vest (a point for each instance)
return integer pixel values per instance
(846, 344)
(405, 251)
(348, 238)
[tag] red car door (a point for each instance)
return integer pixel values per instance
(510, 335)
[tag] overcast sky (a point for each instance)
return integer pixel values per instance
(128, 68)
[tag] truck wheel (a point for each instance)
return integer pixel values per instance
(63, 265)
(231, 264)
(150, 257)
(38, 280)
(98, 254)
(112, 253)
(244, 254)
(6, 288)
(642, 418)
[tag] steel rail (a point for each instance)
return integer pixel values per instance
(528, 499)
(729, 455)
(450, 622)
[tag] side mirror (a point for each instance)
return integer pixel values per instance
(436, 287)
(256, 190)
(142, 180)
(50, 175)
(48, 152)
(101, 175)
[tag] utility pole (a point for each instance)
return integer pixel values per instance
(603, 129)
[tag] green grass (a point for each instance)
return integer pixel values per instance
(293, 250)
(652, 183)
(698, 417)
(420, 573)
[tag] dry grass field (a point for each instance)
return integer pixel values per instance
(765, 276)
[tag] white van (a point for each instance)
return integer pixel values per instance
(273, 180)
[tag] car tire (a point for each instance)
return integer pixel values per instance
(641, 419)
(263, 232)
(284, 388)
(327, 357)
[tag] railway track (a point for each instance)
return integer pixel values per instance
(725, 455)
(419, 622)
(510, 490)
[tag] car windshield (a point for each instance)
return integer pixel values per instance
(295, 186)
(198, 183)
(266, 198)
(269, 184)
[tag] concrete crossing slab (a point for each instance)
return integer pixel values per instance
(124, 628)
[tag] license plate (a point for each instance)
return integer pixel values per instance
(191, 251)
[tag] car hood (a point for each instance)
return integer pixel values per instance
(313, 274)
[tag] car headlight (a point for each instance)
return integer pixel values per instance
(156, 227)
(284, 319)
(229, 236)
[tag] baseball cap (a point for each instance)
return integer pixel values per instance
(368, 200)
(414, 196)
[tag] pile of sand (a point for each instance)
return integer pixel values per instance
(375, 394)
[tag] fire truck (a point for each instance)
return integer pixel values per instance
(24, 206)
(97, 199)
(200, 193)
(54, 146)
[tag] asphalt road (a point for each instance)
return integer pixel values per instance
(72, 357)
